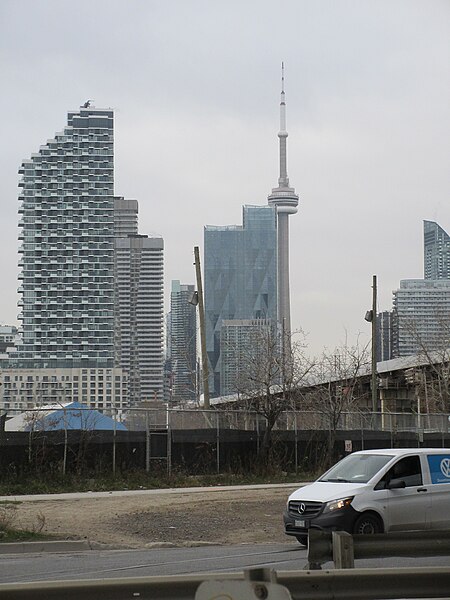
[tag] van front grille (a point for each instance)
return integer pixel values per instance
(304, 508)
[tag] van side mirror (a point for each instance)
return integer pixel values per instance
(396, 484)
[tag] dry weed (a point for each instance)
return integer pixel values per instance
(8, 516)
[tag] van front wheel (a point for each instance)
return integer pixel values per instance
(302, 539)
(367, 524)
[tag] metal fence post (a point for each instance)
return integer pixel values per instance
(65, 443)
(296, 442)
(443, 430)
(114, 442)
(169, 443)
(217, 443)
(257, 433)
(391, 431)
(147, 442)
(362, 432)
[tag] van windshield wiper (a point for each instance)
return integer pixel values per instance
(336, 480)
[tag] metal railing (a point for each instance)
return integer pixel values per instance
(343, 548)
(338, 584)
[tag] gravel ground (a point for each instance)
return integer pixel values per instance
(184, 519)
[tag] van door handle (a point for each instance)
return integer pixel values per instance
(422, 490)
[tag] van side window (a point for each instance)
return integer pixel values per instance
(407, 469)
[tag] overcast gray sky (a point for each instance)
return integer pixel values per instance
(195, 86)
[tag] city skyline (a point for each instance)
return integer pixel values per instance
(368, 117)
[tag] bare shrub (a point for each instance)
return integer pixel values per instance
(8, 516)
(39, 523)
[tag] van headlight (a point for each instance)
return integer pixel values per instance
(338, 504)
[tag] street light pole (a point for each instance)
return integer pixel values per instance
(201, 312)
(374, 345)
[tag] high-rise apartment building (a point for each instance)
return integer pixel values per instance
(182, 344)
(240, 267)
(421, 316)
(67, 230)
(138, 304)
(384, 336)
(67, 235)
(139, 314)
(436, 251)
(241, 342)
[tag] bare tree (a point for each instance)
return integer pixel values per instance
(338, 388)
(431, 378)
(270, 367)
(58, 417)
(187, 388)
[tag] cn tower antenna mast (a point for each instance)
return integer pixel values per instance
(285, 200)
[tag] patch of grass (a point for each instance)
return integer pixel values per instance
(10, 532)
(22, 535)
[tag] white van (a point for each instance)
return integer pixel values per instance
(375, 491)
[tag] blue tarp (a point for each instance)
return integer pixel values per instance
(70, 416)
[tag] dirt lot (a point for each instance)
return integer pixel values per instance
(184, 519)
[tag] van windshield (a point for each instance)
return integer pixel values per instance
(356, 468)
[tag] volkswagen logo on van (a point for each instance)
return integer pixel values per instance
(301, 507)
(445, 467)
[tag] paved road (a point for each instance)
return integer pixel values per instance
(95, 564)
(153, 492)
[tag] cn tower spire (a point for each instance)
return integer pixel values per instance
(285, 200)
(283, 180)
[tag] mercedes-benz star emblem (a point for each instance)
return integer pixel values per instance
(301, 508)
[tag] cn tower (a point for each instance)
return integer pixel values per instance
(285, 200)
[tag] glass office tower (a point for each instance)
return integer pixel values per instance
(182, 343)
(67, 251)
(240, 266)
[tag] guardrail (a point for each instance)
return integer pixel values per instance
(339, 584)
(343, 548)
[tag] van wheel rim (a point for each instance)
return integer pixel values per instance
(367, 528)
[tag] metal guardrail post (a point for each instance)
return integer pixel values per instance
(343, 555)
(320, 548)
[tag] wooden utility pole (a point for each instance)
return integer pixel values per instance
(201, 313)
(374, 346)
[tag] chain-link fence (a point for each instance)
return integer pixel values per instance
(158, 431)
